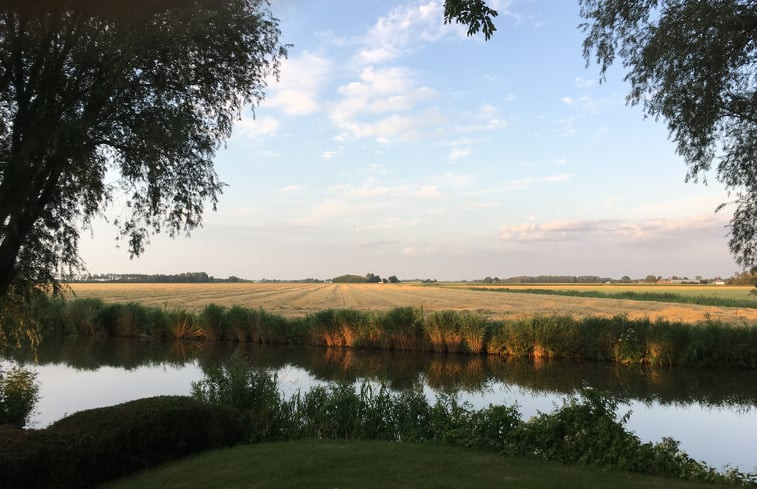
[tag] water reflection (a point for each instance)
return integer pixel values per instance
(732, 388)
(709, 410)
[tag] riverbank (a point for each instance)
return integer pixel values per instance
(615, 339)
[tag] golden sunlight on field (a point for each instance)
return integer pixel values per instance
(299, 299)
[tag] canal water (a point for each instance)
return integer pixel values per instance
(712, 412)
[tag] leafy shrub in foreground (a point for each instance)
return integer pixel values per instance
(583, 430)
(92, 446)
(19, 393)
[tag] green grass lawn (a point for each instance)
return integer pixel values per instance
(369, 464)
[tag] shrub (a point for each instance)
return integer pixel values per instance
(36, 459)
(132, 436)
(19, 393)
(92, 446)
(585, 432)
(254, 392)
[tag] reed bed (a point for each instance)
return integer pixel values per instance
(615, 339)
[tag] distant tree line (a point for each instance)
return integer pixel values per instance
(295, 281)
(369, 278)
(159, 278)
(744, 278)
(547, 279)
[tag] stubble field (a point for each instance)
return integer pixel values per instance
(293, 300)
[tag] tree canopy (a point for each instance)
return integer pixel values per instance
(143, 93)
(693, 64)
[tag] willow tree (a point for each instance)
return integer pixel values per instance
(694, 65)
(127, 98)
(146, 91)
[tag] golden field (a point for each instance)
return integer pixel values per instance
(292, 300)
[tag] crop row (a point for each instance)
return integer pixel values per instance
(704, 300)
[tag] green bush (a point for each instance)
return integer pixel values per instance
(583, 430)
(92, 446)
(19, 393)
(37, 459)
(253, 392)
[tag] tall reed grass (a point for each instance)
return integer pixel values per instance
(612, 339)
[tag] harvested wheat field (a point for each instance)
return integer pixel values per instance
(293, 300)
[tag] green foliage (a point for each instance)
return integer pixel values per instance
(91, 446)
(212, 321)
(704, 300)
(253, 391)
(455, 331)
(583, 430)
(372, 278)
(693, 64)
(81, 75)
(349, 279)
(401, 328)
(615, 339)
(473, 13)
(239, 322)
(19, 393)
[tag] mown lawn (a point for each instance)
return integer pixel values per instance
(370, 464)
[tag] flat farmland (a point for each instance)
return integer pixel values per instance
(742, 292)
(293, 300)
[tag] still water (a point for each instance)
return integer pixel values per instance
(712, 412)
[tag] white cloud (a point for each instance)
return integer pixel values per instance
(419, 251)
(402, 30)
(481, 205)
(301, 79)
(290, 188)
(637, 231)
(486, 118)
(558, 178)
(255, 128)
(378, 105)
(583, 82)
(372, 190)
(454, 180)
(567, 127)
(458, 153)
(327, 155)
(390, 223)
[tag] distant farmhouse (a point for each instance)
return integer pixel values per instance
(678, 281)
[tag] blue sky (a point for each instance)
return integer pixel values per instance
(396, 145)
